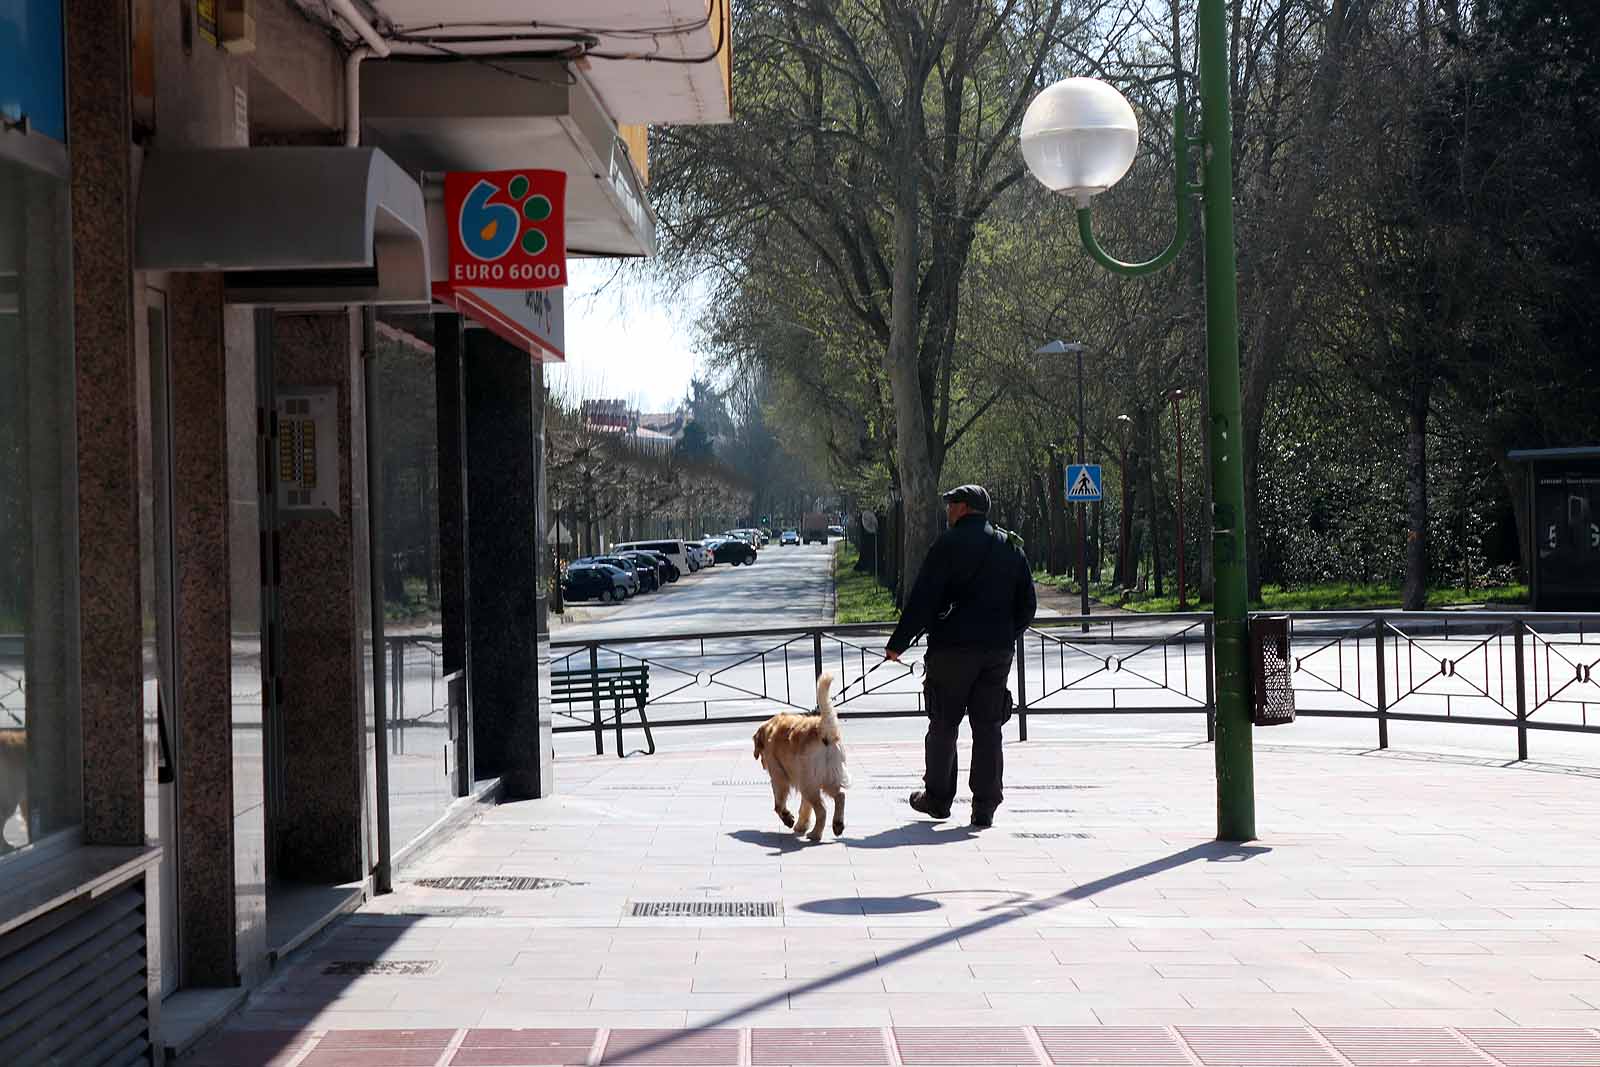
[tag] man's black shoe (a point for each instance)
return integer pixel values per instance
(983, 819)
(919, 802)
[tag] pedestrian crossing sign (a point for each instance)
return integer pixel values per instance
(1083, 483)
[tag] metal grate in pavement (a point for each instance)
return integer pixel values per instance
(938, 1046)
(474, 883)
(1256, 1046)
(1401, 1047)
(705, 909)
(688, 1048)
(1111, 1046)
(447, 911)
(1538, 1048)
(741, 782)
(1045, 835)
(1044, 811)
(1054, 785)
(836, 1047)
(525, 1048)
(385, 968)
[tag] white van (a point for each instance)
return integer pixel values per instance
(673, 549)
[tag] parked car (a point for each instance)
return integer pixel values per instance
(704, 553)
(836, 531)
(598, 581)
(648, 576)
(789, 537)
(735, 550)
(672, 548)
(664, 570)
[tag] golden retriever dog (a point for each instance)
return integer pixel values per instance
(804, 753)
(13, 781)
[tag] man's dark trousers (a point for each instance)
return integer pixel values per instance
(966, 682)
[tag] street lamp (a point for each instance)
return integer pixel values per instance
(1176, 395)
(1061, 348)
(1079, 137)
(1125, 543)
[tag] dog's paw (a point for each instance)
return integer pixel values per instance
(838, 827)
(788, 819)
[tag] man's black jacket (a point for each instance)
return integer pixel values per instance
(977, 569)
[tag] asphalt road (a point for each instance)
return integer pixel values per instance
(786, 586)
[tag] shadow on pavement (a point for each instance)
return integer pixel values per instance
(913, 834)
(1209, 852)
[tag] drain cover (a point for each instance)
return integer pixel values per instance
(1045, 811)
(645, 788)
(1020, 788)
(475, 882)
(390, 968)
(447, 911)
(741, 782)
(706, 909)
(1080, 837)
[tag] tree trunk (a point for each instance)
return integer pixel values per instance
(1515, 476)
(1208, 572)
(1415, 594)
(915, 457)
(1059, 552)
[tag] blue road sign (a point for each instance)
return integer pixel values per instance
(1083, 483)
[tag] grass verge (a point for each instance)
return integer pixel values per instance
(1336, 596)
(857, 596)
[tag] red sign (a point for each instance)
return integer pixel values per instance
(507, 229)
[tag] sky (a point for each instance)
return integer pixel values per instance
(625, 338)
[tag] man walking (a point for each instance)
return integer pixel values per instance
(973, 598)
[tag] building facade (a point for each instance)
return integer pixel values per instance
(270, 486)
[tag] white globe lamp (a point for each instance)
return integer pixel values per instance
(1079, 137)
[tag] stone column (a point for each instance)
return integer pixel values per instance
(453, 571)
(504, 423)
(100, 115)
(324, 612)
(222, 872)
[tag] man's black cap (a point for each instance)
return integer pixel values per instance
(975, 497)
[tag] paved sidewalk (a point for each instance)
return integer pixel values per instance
(1448, 900)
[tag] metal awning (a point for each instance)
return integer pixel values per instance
(290, 226)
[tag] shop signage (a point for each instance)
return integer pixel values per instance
(507, 229)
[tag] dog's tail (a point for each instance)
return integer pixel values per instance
(830, 718)
(761, 739)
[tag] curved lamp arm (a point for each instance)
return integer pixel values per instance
(1181, 142)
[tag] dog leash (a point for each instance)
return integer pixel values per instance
(862, 681)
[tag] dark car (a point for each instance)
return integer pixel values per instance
(664, 570)
(648, 576)
(597, 581)
(735, 550)
(674, 572)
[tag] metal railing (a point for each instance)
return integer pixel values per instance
(1522, 670)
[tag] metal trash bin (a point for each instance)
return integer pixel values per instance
(1269, 660)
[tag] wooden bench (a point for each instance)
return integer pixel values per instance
(618, 686)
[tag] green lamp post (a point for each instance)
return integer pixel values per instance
(1079, 137)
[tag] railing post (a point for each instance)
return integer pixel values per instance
(1522, 699)
(1211, 698)
(816, 653)
(599, 723)
(397, 681)
(1022, 688)
(1378, 627)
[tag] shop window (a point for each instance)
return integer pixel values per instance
(40, 740)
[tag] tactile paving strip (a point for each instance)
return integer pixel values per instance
(1111, 1046)
(1257, 1046)
(834, 1047)
(678, 1048)
(938, 1046)
(524, 1048)
(1401, 1047)
(1538, 1048)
